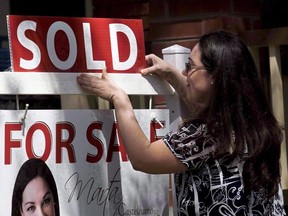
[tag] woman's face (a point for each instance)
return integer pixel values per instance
(37, 199)
(199, 81)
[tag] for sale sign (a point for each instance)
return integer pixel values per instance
(62, 44)
(83, 162)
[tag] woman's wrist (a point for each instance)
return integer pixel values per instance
(171, 73)
(118, 98)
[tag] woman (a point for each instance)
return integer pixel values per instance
(226, 157)
(35, 191)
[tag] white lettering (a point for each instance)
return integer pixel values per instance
(28, 44)
(117, 65)
(69, 62)
(91, 64)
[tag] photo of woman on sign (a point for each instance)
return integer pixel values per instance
(35, 191)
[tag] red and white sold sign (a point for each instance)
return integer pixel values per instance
(62, 44)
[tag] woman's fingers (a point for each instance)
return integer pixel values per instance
(84, 79)
(104, 73)
(102, 86)
(148, 70)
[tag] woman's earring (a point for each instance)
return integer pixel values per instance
(212, 83)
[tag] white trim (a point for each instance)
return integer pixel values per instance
(40, 83)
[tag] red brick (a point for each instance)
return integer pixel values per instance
(247, 7)
(256, 24)
(157, 9)
(234, 24)
(174, 31)
(123, 10)
(196, 7)
(212, 24)
(146, 22)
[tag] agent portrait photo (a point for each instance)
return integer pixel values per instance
(35, 191)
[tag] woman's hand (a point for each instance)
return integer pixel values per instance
(103, 87)
(153, 158)
(157, 66)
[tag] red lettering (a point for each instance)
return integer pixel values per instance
(48, 142)
(94, 141)
(153, 127)
(65, 143)
(65, 134)
(115, 148)
(9, 143)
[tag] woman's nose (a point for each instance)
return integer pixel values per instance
(41, 212)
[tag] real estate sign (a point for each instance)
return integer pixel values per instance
(82, 148)
(65, 44)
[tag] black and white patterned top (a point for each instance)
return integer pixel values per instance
(214, 187)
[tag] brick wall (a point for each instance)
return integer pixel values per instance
(183, 22)
(169, 22)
